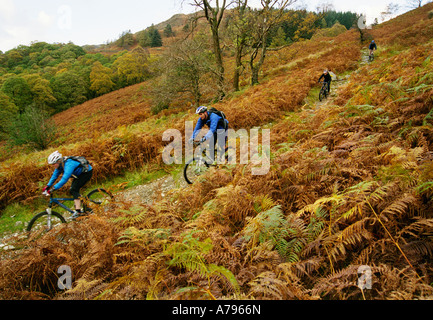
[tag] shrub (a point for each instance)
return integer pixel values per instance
(32, 128)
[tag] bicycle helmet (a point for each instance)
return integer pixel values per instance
(54, 157)
(201, 110)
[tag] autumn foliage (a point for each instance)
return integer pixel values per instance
(350, 185)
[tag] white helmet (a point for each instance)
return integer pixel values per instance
(201, 110)
(54, 157)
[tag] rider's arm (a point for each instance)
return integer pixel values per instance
(214, 119)
(198, 128)
(70, 166)
(54, 177)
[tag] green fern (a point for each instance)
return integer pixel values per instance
(317, 223)
(131, 216)
(286, 236)
(189, 254)
(133, 235)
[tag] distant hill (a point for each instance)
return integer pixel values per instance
(177, 21)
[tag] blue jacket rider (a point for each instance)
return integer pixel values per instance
(215, 124)
(68, 168)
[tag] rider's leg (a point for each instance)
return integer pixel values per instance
(222, 145)
(76, 185)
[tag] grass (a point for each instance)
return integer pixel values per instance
(14, 218)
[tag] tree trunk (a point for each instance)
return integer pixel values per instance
(240, 43)
(219, 63)
(237, 71)
(214, 17)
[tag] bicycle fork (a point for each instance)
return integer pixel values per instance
(49, 215)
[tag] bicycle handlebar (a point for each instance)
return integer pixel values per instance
(48, 194)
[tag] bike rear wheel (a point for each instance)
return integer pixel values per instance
(194, 168)
(44, 222)
(96, 198)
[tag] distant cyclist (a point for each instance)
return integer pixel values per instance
(218, 127)
(326, 76)
(77, 168)
(372, 47)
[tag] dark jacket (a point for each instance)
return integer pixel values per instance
(327, 77)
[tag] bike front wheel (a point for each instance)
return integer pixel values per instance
(322, 95)
(96, 198)
(194, 168)
(44, 222)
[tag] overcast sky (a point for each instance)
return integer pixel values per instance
(98, 21)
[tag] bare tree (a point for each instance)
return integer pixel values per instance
(267, 17)
(325, 6)
(412, 4)
(391, 9)
(182, 69)
(239, 31)
(214, 14)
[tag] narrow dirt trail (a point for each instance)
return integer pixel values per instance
(153, 191)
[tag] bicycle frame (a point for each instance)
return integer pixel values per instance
(58, 202)
(202, 155)
(325, 86)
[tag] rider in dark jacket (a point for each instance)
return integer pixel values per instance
(326, 78)
(372, 47)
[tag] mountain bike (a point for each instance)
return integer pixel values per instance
(324, 91)
(371, 57)
(200, 163)
(46, 220)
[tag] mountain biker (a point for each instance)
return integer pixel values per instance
(372, 47)
(69, 167)
(326, 76)
(218, 127)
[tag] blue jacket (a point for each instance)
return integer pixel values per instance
(71, 168)
(212, 122)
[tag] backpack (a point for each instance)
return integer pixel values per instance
(84, 163)
(222, 121)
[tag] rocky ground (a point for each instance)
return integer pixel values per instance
(151, 192)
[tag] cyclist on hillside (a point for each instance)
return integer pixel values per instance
(326, 76)
(218, 127)
(69, 167)
(372, 47)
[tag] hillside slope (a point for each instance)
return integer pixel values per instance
(350, 185)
